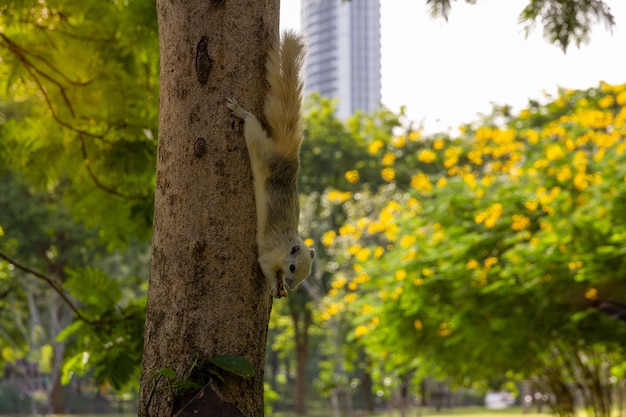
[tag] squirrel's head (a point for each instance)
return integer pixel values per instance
(297, 267)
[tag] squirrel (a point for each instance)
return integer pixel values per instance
(275, 158)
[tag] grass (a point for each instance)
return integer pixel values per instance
(413, 412)
(430, 412)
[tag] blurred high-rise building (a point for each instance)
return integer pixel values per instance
(343, 52)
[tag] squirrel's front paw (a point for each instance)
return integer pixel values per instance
(237, 110)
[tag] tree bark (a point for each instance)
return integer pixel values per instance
(301, 316)
(206, 294)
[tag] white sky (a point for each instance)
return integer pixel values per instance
(445, 73)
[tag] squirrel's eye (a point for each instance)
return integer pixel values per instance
(295, 249)
(292, 268)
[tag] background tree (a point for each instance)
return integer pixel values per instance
(564, 21)
(514, 241)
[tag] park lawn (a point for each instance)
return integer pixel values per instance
(431, 412)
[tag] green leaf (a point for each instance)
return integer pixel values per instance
(187, 385)
(93, 287)
(237, 365)
(167, 372)
(73, 328)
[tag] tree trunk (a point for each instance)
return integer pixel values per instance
(301, 316)
(206, 294)
(61, 317)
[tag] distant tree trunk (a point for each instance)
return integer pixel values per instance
(301, 316)
(206, 294)
(366, 384)
(61, 317)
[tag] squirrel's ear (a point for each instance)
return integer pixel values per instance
(312, 253)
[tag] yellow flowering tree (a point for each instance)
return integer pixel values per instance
(500, 257)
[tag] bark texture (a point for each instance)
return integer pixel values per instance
(206, 293)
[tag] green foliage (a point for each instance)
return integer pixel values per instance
(567, 21)
(78, 106)
(110, 344)
(81, 95)
(564, 21)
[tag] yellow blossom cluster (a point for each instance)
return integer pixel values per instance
(490, 216)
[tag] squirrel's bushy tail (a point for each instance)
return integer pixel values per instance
(282, 105)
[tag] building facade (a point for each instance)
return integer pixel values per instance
(343, 52)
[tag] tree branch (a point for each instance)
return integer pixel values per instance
(53, 284)
(98, 183)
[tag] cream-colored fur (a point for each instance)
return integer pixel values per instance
(275, 158)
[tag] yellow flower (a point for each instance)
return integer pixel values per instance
(400, 275)
(520, 222)
(591, 294)
(397, 293)
(475, 157)
(427, 272)
(331, 310)
(379, 251)
(350, 297)
(490, 216)
(472, 264)
(361, 331)
(491, 261)
(525, 114)
(413, 136)
(309, 242)
(328, 238)
(421, 183)
(339, 282)
(349, 230)
(352, 176)
(574, 265)
(441, 182)
(470, 180)
(417, 324)
(444, 330)
(439, 144)
(606, 101)
(410, 255)
(452, 156)
(389, 158)
(366, 308)
(337, 196)
(580, 180)
(375, 147)
(363, 254)
(399, 141)
(564, 173)
(413, 204)
(388, 174)
(407, 241)
(361, 278)
(427, 156)
(533, 136)
(554, 152)
(352, 250)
